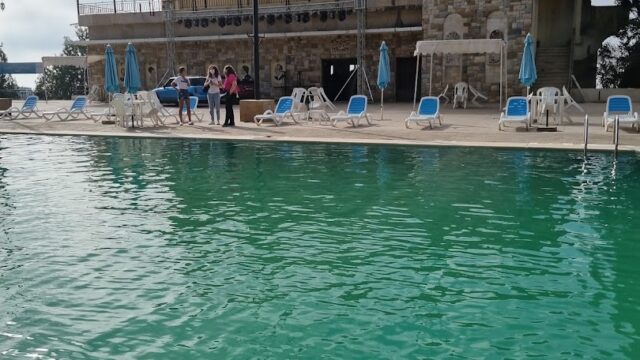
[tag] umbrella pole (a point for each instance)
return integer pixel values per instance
(133, 123)
(382, 105)
(415, 90)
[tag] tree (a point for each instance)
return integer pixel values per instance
(61, 82)
(7, 83)
(620, 59)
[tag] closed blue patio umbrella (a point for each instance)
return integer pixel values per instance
(528, 73)
(131, 72)
(384, 74)
(111, 83)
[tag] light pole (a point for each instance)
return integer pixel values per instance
(256, 52)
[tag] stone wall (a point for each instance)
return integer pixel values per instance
(476, 19)
(302, 57)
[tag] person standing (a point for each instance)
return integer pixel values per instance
(182, 83)
(231, 87)
(214, 82)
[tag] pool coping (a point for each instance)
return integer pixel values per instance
(328, 140)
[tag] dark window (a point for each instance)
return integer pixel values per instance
(197, 81)
(168, 84)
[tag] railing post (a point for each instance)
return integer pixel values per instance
(586, 132)
(115, 9)
(617, 135)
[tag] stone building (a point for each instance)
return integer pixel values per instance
(313, 42)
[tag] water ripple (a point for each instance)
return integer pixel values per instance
(147, 249)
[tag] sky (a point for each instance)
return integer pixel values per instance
(30, 29)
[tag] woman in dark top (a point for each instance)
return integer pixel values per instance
(231, 87)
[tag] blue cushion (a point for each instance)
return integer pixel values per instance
(517, 107)
(284, 105)
(356, 105)
(619, 105)
(428, 107)
(79, 103)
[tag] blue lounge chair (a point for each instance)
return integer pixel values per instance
(30, 107)
(356, 110)
(77, 109)
(428, 111)
(284, 109)
(517, 112)
(193, 105)
(620, 106)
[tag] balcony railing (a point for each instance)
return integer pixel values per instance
(184, 7)
(119, 6)
(199, 5)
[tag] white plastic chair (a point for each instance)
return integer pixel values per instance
(284, 109)
(428, 110)
(30, 107)
(548, 100)
(299, 96)
(356, 110)
(460, 94)
(620, 106)
(123, 113)
(517, 111)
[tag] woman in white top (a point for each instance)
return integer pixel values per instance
(214, 81)
(182, 84)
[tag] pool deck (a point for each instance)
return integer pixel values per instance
(475, 126)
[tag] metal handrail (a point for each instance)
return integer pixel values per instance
(616, 135)
(586, 133)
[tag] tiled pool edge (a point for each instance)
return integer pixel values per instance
(479, 144)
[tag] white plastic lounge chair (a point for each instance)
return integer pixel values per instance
(476, 94)
(428, 110)
(325, 99)
(570, 102)
(162, 111)
(517, 111)
(460, 94)
(193, 105)
(148, 109)
(78, 108)
(284, 109)
(444, 96)
(318, 105)
(620, 106)
(356, 110)
(30, 107)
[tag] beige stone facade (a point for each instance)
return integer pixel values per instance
(309, 50)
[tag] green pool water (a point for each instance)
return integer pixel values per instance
(171, 249)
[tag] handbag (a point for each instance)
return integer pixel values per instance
(206, 88)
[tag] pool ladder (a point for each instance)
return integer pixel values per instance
(616, 134)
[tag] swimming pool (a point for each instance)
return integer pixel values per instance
(179, 249)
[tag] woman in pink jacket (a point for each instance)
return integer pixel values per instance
(231, 87)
